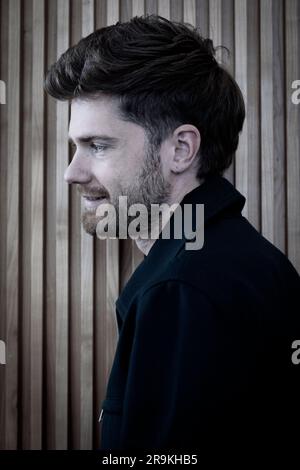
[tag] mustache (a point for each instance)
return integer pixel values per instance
(92, 191)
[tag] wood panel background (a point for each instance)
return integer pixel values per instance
(58, 285)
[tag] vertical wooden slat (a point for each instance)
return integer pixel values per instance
(189, 12)
(86, 331)
(138, 8)
(267, 129)
(163, 8)
(112, 292)
(25, 264)
(37, 216)
(86, 350)
(3, 207)
(272, 109)
(241, 76)
(100, 13)
(279, 130)
(49, 420)
(88, 17)
(176, 10)
(292, 54)
(125, 10)
(253, 116)
(100, 335)
(75, 275)
(151, 6)
(228, 59)
(61, 247)
(3, 204)
(112, 12)
(12, 238)
(202, 16)
(215, 25)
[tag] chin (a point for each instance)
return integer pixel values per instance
(89, 222)
(90, 230)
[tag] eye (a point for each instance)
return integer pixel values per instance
(98, 147)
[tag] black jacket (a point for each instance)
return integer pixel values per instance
(205, 340)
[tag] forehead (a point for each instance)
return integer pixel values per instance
(99, 116)
(94, 115)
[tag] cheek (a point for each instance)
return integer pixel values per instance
(119, 170)
(102, 170)
(107, 175)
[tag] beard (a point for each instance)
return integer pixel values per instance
(149, 187)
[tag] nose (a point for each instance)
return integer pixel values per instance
(77, 171)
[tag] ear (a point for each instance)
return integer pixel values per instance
(186, 141)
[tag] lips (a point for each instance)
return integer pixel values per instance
(92, 202)
(93, 198)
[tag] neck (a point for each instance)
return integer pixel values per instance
(178, 193)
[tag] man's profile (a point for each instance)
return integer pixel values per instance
(205, 336)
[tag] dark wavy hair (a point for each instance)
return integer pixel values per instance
(163, 74)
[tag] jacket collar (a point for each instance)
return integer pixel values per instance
(218, 195)
(219, 198)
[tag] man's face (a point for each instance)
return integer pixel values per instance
(113, 158)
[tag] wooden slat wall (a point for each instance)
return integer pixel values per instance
(10, 385)
(292, 130)
(60, 334)
(58, 286)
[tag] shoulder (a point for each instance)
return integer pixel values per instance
(173, 299)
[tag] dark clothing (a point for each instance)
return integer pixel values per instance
(205, 339)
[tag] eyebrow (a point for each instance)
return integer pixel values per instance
(89, 138)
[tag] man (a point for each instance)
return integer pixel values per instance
(205, 335)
